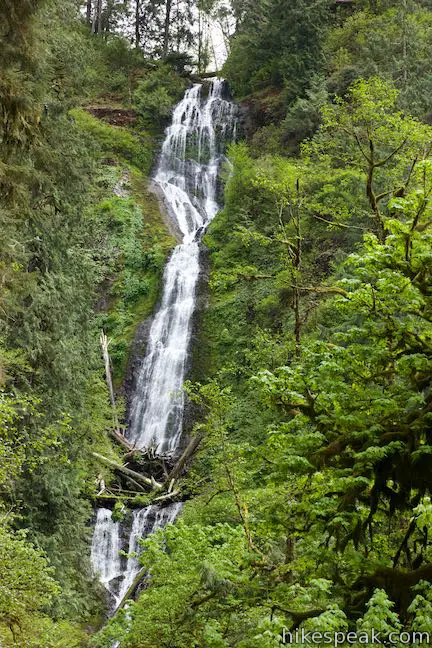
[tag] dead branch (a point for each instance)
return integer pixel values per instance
(131, 474)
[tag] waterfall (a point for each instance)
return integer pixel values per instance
(145, 521)
(105, 556)
(187, 176)
(115, 571)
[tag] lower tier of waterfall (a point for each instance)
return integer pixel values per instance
(115, 571)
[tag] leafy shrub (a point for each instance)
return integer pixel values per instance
(157, 93)
(132, 147)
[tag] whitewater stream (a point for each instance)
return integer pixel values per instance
(187, 177)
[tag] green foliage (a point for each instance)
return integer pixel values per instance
(304, 116)
(64, 238)
(277, 44)
(17, 445)
(157, 93)
(290, 82)
(27, 588)
(379, 616)
(309, 498)
(137, 149)
(122, 66)
(404, 33)
(315, 459)
(209, 567)
(134, 251)
(367, 132)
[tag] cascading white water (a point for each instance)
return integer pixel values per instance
(105, 556)
(145, 521)
(117, 572)
(187, 175)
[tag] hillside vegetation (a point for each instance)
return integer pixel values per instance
(83, 247)
(308, 504)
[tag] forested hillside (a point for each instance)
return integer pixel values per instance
(307, 501)
(82, 248)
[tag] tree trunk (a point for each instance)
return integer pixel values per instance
(296, 269)
(131, 590)
(137, 23)
(97, 17)
(104, 342)
(200, 36)
(109, 498)
(163, 498)
(118, 436)
(224, 26)
(405, 43)
(213, 50)
(106, 27)
(89, 13)
(94, 19)
(297, 320)
(167, 26)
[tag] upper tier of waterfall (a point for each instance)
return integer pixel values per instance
(188, 176)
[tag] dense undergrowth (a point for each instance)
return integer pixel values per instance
(133, 240)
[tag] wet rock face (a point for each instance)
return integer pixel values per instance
(136, 354)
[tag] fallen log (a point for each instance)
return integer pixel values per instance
(109, 497)
(188, 452)
(118, 436)
(134, 484)
(198, 78)
(104, 342)
(132, 474)
(170, 495)
(115, 433)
